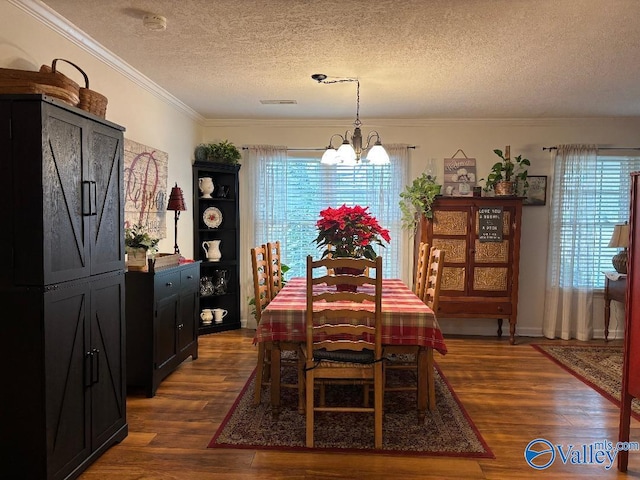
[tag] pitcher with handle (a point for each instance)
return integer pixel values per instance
(219, 314)
(206, 186)
(212, 250)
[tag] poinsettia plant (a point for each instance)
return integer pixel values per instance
(349, 232)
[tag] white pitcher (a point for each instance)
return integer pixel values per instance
(206, 315)
(206, 186)
(212, 250)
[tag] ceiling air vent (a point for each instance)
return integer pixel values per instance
(278, 102)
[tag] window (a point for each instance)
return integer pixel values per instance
(600, 201)
(303, 187)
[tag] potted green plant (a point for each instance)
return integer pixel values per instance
(137, 243)
(221, 152)
(417, 199)
(506, 173)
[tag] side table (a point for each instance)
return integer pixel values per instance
(613, 290)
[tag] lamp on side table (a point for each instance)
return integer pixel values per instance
(176, 203)
(620, 238)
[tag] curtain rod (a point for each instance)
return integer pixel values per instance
(600, 148)
(312, 149)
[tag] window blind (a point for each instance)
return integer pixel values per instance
(602, 192)
(304, 187)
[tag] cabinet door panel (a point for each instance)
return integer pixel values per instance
(107, 348)
(66, 251)
(106, 164)
(165, 330)
(67, 406)
(188, 331)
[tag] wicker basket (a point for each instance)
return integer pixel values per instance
(46, 81)
(89, 100)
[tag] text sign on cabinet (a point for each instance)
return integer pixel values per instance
(490, 224)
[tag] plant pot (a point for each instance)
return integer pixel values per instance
(505, 189)
(345, 287)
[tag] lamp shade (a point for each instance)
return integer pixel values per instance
(176, 200)
(346, 154)
(378, 155)
(330, 156)
(620, 237)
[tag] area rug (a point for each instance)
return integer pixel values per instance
(599, 366)
(448, 431)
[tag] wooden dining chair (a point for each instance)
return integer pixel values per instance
(274, 260)
(421, 269)
(262, 297)
(405, 357)
(290, 352)
(408, 357)
(431, 296)
(343, 343)
(433, 278)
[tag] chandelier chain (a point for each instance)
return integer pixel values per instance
(352, 148)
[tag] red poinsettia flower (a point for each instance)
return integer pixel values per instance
(350, 232)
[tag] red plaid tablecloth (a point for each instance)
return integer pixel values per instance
(406, 320)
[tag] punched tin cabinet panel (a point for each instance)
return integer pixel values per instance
(491, 252)
(450, 222)
(456, 249)
(506, 222)
(490, 279)
(453, 278)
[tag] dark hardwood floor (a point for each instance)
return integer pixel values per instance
(513, 394)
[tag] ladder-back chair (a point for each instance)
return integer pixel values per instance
(292, 357)
(343, 330)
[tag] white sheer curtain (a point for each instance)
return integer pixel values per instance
(399, 154)
(252, 176)
(283, 192)
(574, 239)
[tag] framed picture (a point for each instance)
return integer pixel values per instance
(537, 191)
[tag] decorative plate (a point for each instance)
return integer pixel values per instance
(212, 217)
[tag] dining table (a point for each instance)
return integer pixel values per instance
(408, 324)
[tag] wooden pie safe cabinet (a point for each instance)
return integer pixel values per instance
(480, 278)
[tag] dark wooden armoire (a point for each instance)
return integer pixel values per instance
(61, 288)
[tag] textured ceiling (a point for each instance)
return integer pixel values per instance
(414, 58)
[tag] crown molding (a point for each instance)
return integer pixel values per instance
(48, 17)
(409, 122)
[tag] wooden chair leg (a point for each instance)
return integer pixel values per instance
(431, 383)
(259, 374)
(309, 409)
(378, 399)
(301, 382)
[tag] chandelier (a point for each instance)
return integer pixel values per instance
(351, 149)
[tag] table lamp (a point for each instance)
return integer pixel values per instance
(176, 203)
(620, 238)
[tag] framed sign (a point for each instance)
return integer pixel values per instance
(490, 224)
(459, 177)
(145, 187)
(537, 191)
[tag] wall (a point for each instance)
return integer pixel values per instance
(440, 138)
(151, 116)
(154, 118)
